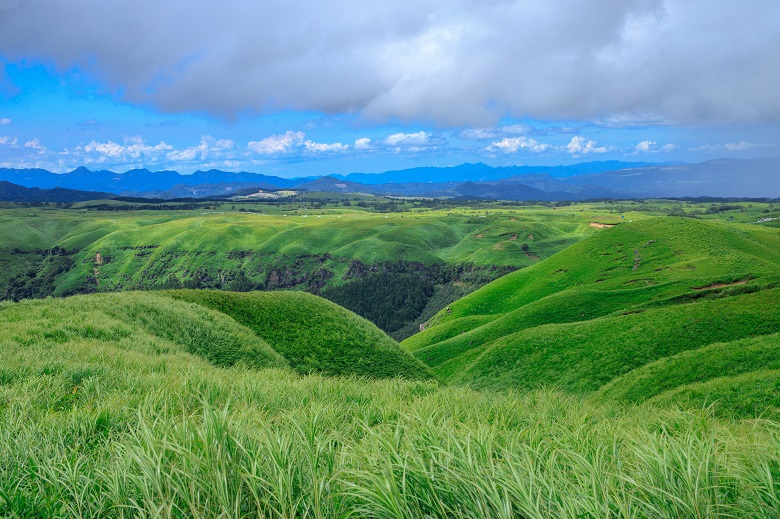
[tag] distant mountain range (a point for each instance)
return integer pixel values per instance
(480, 172)
(607, 179)
(15, 193)
(718, 178)
(137, 180)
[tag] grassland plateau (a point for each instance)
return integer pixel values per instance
(420, 259)
(625, 366)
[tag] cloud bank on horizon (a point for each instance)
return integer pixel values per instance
(423, 74)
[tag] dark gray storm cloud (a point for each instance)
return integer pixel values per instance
(447, 61)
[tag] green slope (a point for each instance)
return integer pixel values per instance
(697, 366)
(751, 394)
(66, 252)
(313, 334)
(586, 355)
(625, 297)
(140, 250)
(144, 322)
(257, 330)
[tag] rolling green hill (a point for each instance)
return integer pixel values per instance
(143, 322)
(419, 258)
(259, 330)
(742, 375)
(60, 252)
(313, 334)
(629, 296)
(284, 251)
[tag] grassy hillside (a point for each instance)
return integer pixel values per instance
(209, 245)
(716, 363)
(256, 330)
(147, 323)
(140, 249)
(584, 356)
(286, 251)
(50, 251)
(626, 297)
(317, 245)
(313, 334)
(110, 416)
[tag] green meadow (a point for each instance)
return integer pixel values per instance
(628, 367)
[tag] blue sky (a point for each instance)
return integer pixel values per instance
(346, 86)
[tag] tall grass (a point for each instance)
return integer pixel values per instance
(199, 441)
(109, 411)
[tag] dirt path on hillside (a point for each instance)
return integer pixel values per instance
(721, 285)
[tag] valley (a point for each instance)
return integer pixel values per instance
(340, 252)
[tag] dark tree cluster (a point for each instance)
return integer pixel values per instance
(394, 294)
(37, 280)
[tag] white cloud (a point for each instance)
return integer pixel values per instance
(276, 144)
(131, 152)
(36, 145)
(648, 146)
(134, 148)
(580, 145)
(645, 146)
(208, 148)
(5, 121)
(320, 147)
(8, 141)
(408, 139)
(110, 148)
(628, 120)
(291, 141)
(363, 143)
(513, 144)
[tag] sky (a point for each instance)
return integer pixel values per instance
(314, 88)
